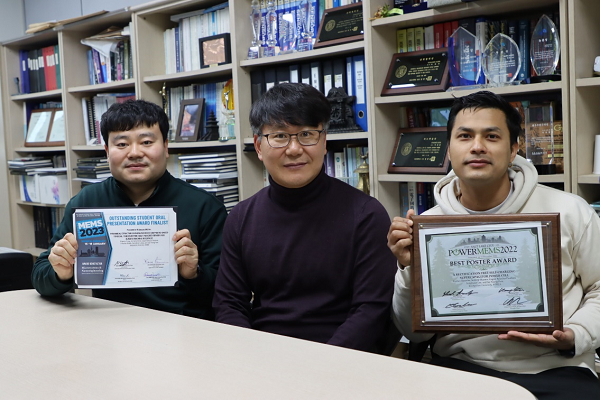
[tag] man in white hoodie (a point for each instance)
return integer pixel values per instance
(489, 177)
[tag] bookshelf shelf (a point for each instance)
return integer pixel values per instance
(588, 82)
(212, 72)
(47, 149)
(37, 96)
(590, 179)
(88, 148)
(200, 145)
(461, 10)
(104, 87)
(29, 203)
(337, 50)
(507, 90)
(409, 178)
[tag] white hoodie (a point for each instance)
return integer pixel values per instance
(580, 242)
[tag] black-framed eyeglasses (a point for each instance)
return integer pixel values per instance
(305, 138)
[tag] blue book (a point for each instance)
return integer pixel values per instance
(24, 72)
(177, 50)
(263, 22)
(336, 3)
(91, 70)
(361, 91)
(313, 22)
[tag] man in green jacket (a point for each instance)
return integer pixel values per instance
(135, 136)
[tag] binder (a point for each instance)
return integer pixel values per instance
(316, 75)
(57, 67)
(283, 74)
(270, 78)
(327, 76)
(350, 80)
(361, 91)
(257, 83)
(295, 73)
(24, 75)
(305, 73)
(339, 74)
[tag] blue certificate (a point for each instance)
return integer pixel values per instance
(125, 247)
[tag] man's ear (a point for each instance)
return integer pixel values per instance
(257, 142)
(513, 151)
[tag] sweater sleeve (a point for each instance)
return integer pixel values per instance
(585, 322)
(373, 281)
(43, 277)
(232, 299)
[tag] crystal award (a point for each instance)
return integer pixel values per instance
(287, 34)
(465, 59)
(271, 19)
(253, 51)
(501, 60)
(544, 49)
(305, 42)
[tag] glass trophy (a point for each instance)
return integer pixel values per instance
(544, 50)
(465, 59)
(227, 125)
(501, 61)
(287, 34)
(305, 42)
(271, 19)
(254, 50)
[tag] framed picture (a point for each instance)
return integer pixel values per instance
(190, 119)
(420, 151)
(56, 137)
(423, 71)
(486, 273)
(215, 50)
(39, 126)
(340, 25)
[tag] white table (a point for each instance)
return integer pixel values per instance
(78, 347)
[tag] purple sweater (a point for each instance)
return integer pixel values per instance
(316, 259)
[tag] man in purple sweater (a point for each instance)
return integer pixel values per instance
(306, 256)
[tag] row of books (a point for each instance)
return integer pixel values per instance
(45, 222)
(216, 173)
(347, 73)
(436, 36)
(41, 179)
(417, 196)
(92, 170)
(39, 70)
(117, 66)
(342, 164)
(182, 51)
(211, 93)
(93, 107)
(109, 58)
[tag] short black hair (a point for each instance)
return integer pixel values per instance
(486, 99)
(131, 114)
(290, 104)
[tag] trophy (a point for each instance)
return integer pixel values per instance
(253, 51)
(271, 19)
(227, 126)
(465, 59)
(287, 34)
(501, 61)
(544, 50)
(305, 42)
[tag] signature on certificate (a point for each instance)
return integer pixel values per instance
(155, 261)
(458, 305)
(122, 263)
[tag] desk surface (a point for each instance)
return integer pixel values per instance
(80, 347)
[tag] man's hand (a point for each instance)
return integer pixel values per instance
(400, 238)
(186, 254)
(62, 256)
(559, 340)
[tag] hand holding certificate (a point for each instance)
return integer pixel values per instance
(487, 273)
(125, 247)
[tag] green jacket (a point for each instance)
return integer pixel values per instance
(198, 211)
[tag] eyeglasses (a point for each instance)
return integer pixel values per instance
(305, 138)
